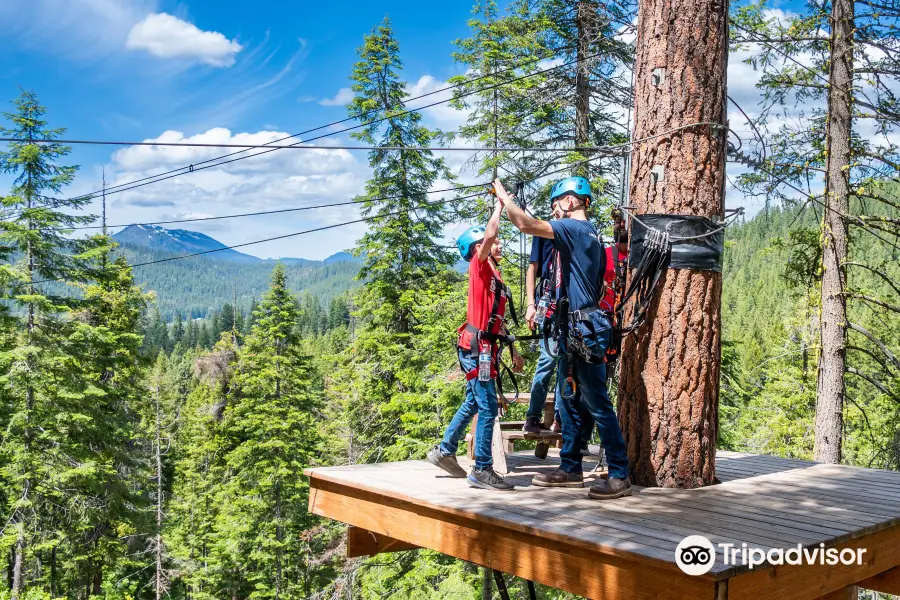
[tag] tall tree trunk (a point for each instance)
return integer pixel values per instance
(833, 317)
(585, 16)
(278, 535)
(160, 585)
(487, 584)
(17, 566)
(53, 572)
(669, 384)
(29, 406)
(97, 589)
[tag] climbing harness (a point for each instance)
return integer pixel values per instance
(494, 338)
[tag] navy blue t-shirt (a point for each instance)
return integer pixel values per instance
(541, 251)
(581, 249)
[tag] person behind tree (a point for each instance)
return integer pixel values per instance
(579, 257)
(539, 269)
(480, 342)
(616, 260)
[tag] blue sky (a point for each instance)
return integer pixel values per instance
(225, 71)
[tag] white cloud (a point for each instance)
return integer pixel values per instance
(272, 180)
(443, 115)
(344, 96)
(74, 30)
(166, 36)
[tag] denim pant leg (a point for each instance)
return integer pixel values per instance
(595, 396)
(570, 417)
(540, 384)
(481, 397)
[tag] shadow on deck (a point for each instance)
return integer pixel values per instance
(626, 548)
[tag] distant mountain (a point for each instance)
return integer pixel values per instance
(341, 257)
(197, 285)
(179, 241)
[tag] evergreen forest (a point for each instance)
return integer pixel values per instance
(155, 424)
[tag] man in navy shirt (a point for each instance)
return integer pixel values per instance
(585, 338)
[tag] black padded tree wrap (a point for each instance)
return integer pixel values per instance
(699, 253)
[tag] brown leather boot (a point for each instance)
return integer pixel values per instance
(534, 429)
(610, 488)
(559, 478)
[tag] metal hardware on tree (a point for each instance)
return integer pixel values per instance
(697, 242)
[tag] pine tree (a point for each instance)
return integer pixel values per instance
(507, 115)
(400, 249)
(829, 78)
(272, 434)
(105, 343)
(178, 329)
(199, 474)
(40, 363)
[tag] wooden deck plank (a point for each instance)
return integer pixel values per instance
(475, 503)
(554, 562)
(763, 501)
(805, 582)
(762, 530)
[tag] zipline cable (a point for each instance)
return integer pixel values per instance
(598, 152)
(323, 228)
(298, 147)
(277, 211)
(204, 164)
(278, 237)
(365, 114)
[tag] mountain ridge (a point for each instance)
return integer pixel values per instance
(194, 286)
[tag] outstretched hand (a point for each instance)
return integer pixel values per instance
(502, 195)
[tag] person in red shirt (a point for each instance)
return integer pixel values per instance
(613, 253)
(478, 348)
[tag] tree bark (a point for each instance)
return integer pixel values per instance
(833, 316)
(585, 15)
(17, 567)
(669, 380)
(160, 577)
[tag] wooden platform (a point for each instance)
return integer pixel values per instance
(625, 549)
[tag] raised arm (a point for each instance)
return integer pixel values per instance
(522, 220)
(491, 232)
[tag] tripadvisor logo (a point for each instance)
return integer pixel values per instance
(696, 555)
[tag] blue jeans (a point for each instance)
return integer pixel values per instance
(540, 384)
(481, 398)
(591, 396)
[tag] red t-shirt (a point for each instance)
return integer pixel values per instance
(481, 298)
(608, 302)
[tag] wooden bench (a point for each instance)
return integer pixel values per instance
(506, 433)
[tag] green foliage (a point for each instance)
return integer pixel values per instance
(71, 375)
(194, 287)
(400, 249)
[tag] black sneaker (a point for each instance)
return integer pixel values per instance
(558, 478)
(447, 463)
(534, 429)
(610, 488)
(488, 479)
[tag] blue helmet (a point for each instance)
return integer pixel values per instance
(466, 242)
(572, 185)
